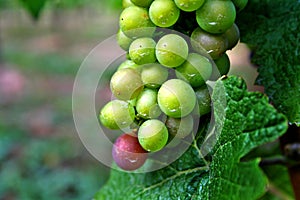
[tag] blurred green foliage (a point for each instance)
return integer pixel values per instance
(51, 164)
(35, 7)
(43, 168)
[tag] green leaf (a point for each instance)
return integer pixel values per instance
(279, 186)
(34, 7)
(244, 120)
(271, 28)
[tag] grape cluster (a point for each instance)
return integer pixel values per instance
(161, 89)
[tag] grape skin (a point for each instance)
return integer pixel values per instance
(216, 16)
(172, 98)
(126, 84)
(164, 13)
(128, 153)
(171, 50)
(153, 135)
(117, 114)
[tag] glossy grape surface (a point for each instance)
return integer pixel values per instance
(216, 16)
(126, 84)
(146, 105)
(142, 3)
(171, 50)
(153, 135)
(135, 22)
(164, 13)
(176, 98)
(189, 5)
(123, 41)
(196, 70)
(128, 153)
(214, 45)
(142, 51)
(154, 75)
(117, 114)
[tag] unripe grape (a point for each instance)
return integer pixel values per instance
(142, 3)
(222, 67)
(240, 4)
(135, 22)
(126, 84)
(215, 45)
(180, 127)
(123, 41)
(127, 3)
(154, 75)
(203, 100)
(164, 13)
(196, 70)
(176, 98)
(117, 114)
(233, 36)
(216, 16)
(171, 50)
(130, 64)
(146, 105)
(128, 153)
(142, 51)
(189, 5)
(153, 135)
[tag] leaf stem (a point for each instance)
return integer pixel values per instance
(179, 173)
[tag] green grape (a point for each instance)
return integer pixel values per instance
(142, 51)
(216, 16)
(240, 4)
(128, 153)
(203, 100)
(176, 98)
(126, 84)
(117, 114)
(233, 36)
(123, 41)
(142, 3)
(153, 135)
(146, 104)
(196, 70)
(172, 50)
(189, 5)
(127, 3)
(135, 22)
(180, 127)
(214, 45)
(153, 75)
(130, 64)
(164, 13)
(222, 67)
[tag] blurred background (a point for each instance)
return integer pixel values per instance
(41, 49)
(42, 45)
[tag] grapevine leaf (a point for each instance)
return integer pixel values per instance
(271, 28)
(279, 186)
(34, 7)
(244, 120)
